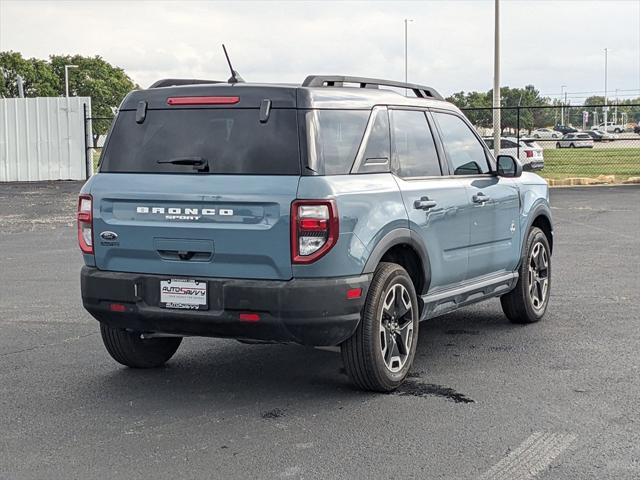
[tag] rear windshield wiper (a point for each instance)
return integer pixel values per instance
(200, 164)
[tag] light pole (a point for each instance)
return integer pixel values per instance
(496, 80)
(66, 78)
(406, 52)
(562, 102)
(606, 108)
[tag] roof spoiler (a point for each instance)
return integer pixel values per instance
(420, 91)
(171, 82)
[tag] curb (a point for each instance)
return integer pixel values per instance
(600, 180)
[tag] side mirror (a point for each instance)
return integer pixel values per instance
(508, 166)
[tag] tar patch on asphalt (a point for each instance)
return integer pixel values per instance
(462, 332)
(416, 389)
(273, 413)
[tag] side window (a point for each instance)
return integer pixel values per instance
(413, 144)
(377, 151)
(334, 137)
(508, 144)
(465, 151)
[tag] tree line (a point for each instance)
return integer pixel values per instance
(107, 85)
(534, 111)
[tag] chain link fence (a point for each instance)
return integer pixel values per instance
(97, 129)
(570, 144)
(565, 144)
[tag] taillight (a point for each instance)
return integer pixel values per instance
(85, 223)
(314, 229)
(529, 153)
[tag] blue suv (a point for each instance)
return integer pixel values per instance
(338, 212)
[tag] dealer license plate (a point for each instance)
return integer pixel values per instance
(183, 294)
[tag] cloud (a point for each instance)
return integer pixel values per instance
(546, 43)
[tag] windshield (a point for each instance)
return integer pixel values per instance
(219, 141)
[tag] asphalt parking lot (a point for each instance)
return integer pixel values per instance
(486, 399)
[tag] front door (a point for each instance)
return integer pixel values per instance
(493, 219)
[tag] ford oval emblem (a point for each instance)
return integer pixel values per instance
(109, 236)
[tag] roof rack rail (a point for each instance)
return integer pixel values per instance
(170, 82)
(420, 91)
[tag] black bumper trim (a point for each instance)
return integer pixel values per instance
(306, 311)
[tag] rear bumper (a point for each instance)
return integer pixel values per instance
(305, 311)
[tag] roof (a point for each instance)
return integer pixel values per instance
(281, 96)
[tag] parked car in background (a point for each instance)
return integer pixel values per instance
(612, 127)
(599, 136)
(530, 156)
(564, 129)
(545, 133)
(636, 129)
(575, 140)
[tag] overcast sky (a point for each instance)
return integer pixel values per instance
(545, 43)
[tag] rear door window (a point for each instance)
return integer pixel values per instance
(508, 144)
(413, 144)
(465, 152)
(225, 141)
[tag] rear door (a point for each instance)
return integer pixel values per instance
(493, 216)
(198, 192)
(438, 207)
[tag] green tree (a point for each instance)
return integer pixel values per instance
(96, 78)
(106, 84)
(477, 106)
(38, 77)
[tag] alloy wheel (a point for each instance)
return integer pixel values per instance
(538, 276)
(396, 327)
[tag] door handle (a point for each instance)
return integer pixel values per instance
(424, 204)
(480, 198)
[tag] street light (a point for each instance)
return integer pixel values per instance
(406, 52)
(496, 80)
(66, 78)
(606, 108)
(562, 102)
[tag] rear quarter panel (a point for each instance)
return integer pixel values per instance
(369, 207)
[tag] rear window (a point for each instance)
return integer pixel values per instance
(583, 135)
(218, 141)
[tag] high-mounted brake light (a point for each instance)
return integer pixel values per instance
(202, 100)
(85, 223)
(314, 229)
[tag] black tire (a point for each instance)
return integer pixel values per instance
(364, 354)
(129, 349)
(571, 145)
(554, 136)
(519, 305)
(558, 145)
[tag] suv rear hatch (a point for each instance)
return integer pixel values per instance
(198, 185)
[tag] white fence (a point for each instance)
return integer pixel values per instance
(43, 138)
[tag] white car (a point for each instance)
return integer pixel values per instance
(545, 133)
(530, 156)
(575, 140)
(612, 127)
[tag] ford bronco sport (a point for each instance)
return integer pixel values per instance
(338, 212)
